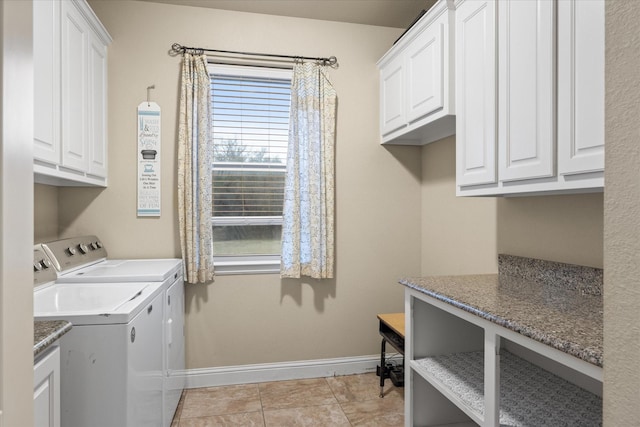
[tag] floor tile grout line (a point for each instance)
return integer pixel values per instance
(264, 419)
(326, 379)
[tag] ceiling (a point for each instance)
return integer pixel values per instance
(385, 13)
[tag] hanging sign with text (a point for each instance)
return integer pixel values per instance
(148, 127)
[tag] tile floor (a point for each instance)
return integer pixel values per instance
(350, 400)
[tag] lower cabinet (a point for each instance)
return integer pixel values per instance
(463, 370)
(46, 389)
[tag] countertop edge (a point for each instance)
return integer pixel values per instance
(46, 332)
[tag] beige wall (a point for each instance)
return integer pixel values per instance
(458, 233)
(259, 319)
(565, 228)
(45, 213)
(464, 234)
(622, 215)
(16, 211)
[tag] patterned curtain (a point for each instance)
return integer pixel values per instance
(194, 170)
(308, 214)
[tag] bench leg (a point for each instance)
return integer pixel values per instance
(383, 368)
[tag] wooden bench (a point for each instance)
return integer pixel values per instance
(392, 331)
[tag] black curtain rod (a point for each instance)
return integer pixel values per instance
(176, 49)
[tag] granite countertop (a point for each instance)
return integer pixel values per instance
(556, 304)
(46, 332)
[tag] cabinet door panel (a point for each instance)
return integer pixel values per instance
(392, 96)
(526, 133)
(425, 64)
(46, 390)
(97, 108)
(74, 88)
(46, 62)
(476, 93)
(580, 86)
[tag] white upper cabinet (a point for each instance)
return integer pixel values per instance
(70, 94)
(548, 136)
(425, 64)
(526, 89)
(416, 81)
(46, 57)
(392, 90)
(580, 86)
(476, 93)
(75, 42)
(97, 111)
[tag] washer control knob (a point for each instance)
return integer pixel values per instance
(37, 266)
(71, 250)
(83, 248)
(93, 246)
(45, 263)
(98, 244)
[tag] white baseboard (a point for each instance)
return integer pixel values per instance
(245, 374)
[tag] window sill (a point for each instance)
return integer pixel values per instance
(230, 265)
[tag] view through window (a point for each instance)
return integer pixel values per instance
(250, 130)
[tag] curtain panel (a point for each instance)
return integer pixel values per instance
(308, 214)
(194, 170)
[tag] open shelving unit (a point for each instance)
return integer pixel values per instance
(466, 371)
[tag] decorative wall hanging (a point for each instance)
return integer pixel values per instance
(148, 127)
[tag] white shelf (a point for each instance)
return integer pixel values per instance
(529, 395)
(459, 377)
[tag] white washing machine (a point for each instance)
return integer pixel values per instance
(111, 360)
(84, 260)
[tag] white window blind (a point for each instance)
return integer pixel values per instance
(250, 126)
(250, 130)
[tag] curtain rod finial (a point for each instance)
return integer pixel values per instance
(176, 49)
(332, 61)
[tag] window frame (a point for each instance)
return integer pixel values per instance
(247, 264)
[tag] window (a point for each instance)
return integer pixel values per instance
(250, 131)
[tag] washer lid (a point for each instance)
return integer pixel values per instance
(93, 303)
(128, 270)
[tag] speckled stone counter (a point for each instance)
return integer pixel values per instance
(566, 315)
(46, 332)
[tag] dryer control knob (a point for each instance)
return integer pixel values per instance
(83, 248)
(71, 250)
(98, 244)
(37, 266)
(45, 263)
(93, 246)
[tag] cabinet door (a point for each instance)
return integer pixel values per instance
(46, 390)
(476, 93)
(580, 86)
(526, 112)
(392, 86)
(75, 39)
(46, 63)
(97, 103)
(424, 64)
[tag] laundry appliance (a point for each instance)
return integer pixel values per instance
(111, 359)
(84, 259)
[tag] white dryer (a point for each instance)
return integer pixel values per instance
(111, 359)
(84, 260)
